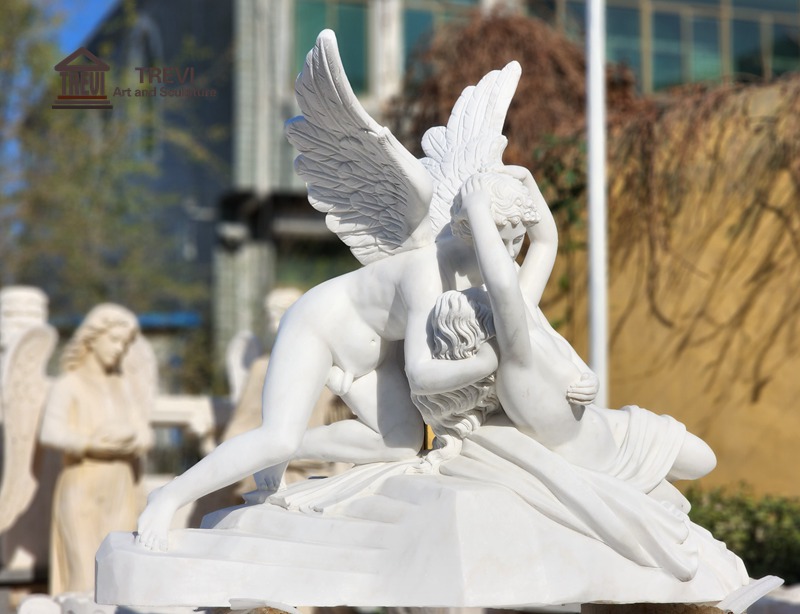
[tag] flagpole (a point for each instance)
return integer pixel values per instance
(598, 250)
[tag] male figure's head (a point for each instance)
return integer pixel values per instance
(513, 209)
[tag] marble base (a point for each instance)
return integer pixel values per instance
(425, 541)
(649, 608)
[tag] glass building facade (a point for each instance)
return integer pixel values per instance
(669, 42)
(350, 19)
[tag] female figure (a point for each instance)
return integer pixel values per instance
(97, 415)
(536, 376)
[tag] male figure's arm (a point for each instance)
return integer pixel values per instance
(541, 256)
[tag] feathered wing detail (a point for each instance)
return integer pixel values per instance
(141, 367)
(375, 193)
(24, 392)
(471, 142)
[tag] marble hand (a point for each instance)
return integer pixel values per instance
(584, 390)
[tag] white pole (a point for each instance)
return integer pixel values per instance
(598, 259)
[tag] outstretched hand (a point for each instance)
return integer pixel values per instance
(584, 390)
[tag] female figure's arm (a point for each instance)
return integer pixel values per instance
(543, 248)
(500, 275)
(534, 274)
(531, 378)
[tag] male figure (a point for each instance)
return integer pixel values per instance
(346, 332)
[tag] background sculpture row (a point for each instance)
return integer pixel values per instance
(77, 444)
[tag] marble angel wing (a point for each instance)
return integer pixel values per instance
(375, 193)
(23, 391)
(472, 141)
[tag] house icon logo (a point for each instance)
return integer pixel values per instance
(83, 82)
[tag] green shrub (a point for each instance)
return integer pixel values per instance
(763, 531)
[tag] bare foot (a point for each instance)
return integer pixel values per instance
(268, 482)
(152, 530)
(271, 478)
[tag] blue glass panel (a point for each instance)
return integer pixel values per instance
(786, 6)
(706, 61)
(543, 9)
(667, 50)
(309, 20)
(351, 33)
(623, 37)
(746, 46)
(576, 19)
(697, 2)
(785, 49)
(417, 28)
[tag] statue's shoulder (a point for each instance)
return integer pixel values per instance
(71, 382)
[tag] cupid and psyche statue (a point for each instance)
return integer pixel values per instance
(534, 495)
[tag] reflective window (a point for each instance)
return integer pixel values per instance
(746, 46)
(348, 20)
(576, 19)
(789, 6)
(543, 9)
(623, 38)
(309, 20)
(692, 3)
(351, 32)
(417, 29)
(706, 63)
(785, 49)
(667, 58)
(422, 17)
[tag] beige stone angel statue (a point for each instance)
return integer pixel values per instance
(97, 415)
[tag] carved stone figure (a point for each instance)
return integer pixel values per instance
(364, 333)
(534, 495)
(97, 415)
(247, 414)
(27, 343)
(21, 308)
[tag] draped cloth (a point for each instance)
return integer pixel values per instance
(596, 504)
(649, 448)
(611, 506)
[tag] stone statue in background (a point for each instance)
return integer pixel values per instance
(534, 497)
(97, 416)
(27, 343)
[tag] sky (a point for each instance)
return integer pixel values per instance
(80, 19)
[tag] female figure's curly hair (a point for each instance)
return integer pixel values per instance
(459, 326)
(510, 202)
(100, 319)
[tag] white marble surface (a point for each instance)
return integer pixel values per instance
(418, 540)
(534, 496)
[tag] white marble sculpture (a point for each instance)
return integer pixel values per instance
(97, 416)
(247, 413)
(534, 495)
